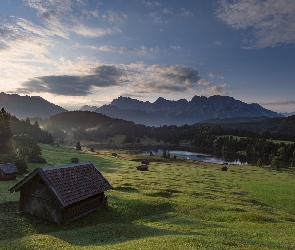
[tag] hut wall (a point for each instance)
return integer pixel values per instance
(84, 207)
(38, 200)
(7, 176)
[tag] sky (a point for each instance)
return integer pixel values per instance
(89, 52)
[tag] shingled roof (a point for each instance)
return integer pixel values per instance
(71, 183)
(8, 168)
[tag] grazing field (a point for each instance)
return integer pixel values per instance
(175, 205)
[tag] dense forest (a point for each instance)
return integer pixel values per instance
(274, 144)
(282, 128)
(18, 141)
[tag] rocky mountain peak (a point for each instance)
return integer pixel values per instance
(167, 112)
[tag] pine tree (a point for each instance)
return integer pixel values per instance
(5, 132)
(78, 145)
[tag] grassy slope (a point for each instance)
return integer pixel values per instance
(181, 205)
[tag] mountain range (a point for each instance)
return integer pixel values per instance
(160, 112)
(166, 112)
(28, 106)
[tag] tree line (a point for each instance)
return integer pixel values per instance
(18, 141)
(260, 142)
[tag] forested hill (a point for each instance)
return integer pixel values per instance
(84, 119)
(283, 125)
(19, 127)
(28, 106)
(88, 125)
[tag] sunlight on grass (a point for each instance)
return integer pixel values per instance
(174, 205)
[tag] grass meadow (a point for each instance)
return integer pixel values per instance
(177, 204)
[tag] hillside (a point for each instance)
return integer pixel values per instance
(166, 112)
(28, 106)
(283, 125)
(83, 119)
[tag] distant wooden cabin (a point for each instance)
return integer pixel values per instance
(8, 172)
(143, 167)
(74, 160)
(64, 193)
(224, 168)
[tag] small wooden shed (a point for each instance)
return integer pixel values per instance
(64, 193)
(8, 172)
(75, 160)
(143, 167)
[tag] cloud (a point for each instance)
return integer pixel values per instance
(186, 13)
(152, 4)
(217, 43)
(163, 78)
(175, 74)
(266, 23)
(90, 13)
(70, 85)
(80, 46)
(280, 102)
(154, 50)
(122, 50)
(114, 17)
(175, 47)
(168, 10)
(22, 41)
(156, 18)
(58, 17)
(210, 75)
(220, 89)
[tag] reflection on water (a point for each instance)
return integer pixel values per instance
(212, 157)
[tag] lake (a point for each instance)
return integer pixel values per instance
(207, 156)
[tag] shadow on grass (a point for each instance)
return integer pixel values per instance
(122, 221)
(127, 189)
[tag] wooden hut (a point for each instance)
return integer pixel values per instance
(75, 160)
(64, 193)
(143, 167)
(8, 172)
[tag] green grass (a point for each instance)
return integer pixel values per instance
(174, 205)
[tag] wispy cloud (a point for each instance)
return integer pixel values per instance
(175, 47)
(114, 17)
(266, 23)
(151, 4)
(185, 13)
(210, 75)
(156, 18)
(221, 89)
(218, 43)
(279, 103)
(140, 51)
(58, 17)
(168, 10)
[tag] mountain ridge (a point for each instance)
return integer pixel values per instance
(28, 106)
(160, 112)
(167, 112)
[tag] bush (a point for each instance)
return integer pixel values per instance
(37, 159)
(21, 166)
